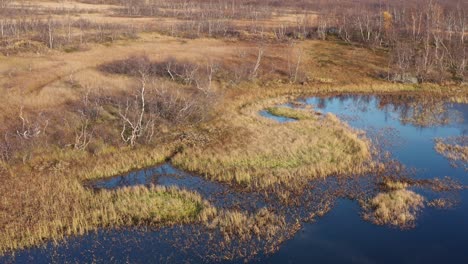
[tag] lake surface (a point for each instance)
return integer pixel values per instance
(404, 126)
(440, 236)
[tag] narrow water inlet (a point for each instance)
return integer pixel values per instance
(280, 119)
(220, 195)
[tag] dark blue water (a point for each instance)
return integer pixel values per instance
(341, 236)
(440, 236)
(164, 175)
(412, 145)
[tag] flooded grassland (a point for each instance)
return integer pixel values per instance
(388, 176)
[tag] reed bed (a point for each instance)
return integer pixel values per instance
(263, 153)
(64, 207)
(455, 149)
(397, 208)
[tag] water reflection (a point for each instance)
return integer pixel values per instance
(416, 110)
(405, 125)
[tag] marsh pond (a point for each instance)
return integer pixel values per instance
(409, 207)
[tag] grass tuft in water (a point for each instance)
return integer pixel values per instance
(398, 207)
(455, 149)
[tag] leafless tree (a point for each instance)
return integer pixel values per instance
(204, 78)
(84, 133)
(298, 65)
(50, 32)
(133, 115)
(258, 62)
(29, 129)
(294, 59)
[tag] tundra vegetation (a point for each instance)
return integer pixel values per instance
(297, 114)
(283, 155)
(96, 88)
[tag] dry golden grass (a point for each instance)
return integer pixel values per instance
(67, 5)
(442, 203)
(63, 207)
(297, 114)
(111, 161)
(453, 152)
(41, 80)
(397, 207)
(263, 152)
(42, 198)
(235, 224)
(106, 13)
(457, 151)
(395, 185)
(45, 198)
